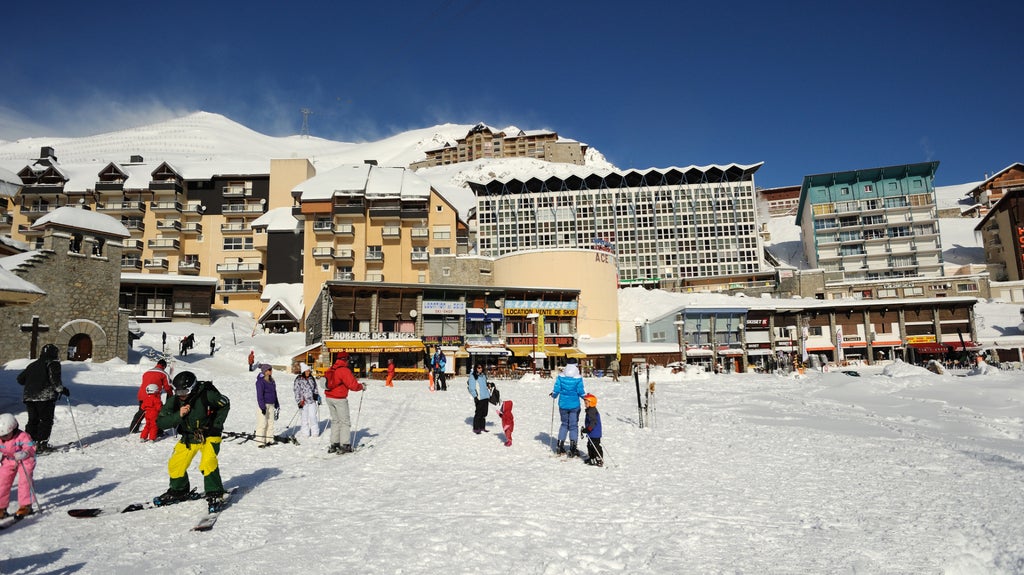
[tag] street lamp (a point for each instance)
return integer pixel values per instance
(533, 328)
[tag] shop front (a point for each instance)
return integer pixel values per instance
(368, 356)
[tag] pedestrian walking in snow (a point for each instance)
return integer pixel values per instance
(308, 400)
(198, 411)
(252, 359)
(477, 384)
(592, 429)
(340, 380)
(569, 390)
(213, 345)
(269, 406)
(17, 458)
(389, 381)
(613, 368)
(43, 387)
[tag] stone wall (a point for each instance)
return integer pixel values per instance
(81, 297)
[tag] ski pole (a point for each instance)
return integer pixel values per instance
(599, 452)
(551, 433)
(72, 412)
(31, 485)
(355, 429)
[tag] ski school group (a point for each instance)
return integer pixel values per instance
(196, 411)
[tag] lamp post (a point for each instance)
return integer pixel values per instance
(533, 328)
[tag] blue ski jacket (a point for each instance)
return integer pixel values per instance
(569, 388)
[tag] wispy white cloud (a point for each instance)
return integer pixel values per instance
(96, 113)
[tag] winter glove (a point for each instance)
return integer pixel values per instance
(316, 397)
(583, 431)
(264, 412)
(552, 394)
(302, 404)
(20, 455)
(277, 406)
(63, 391)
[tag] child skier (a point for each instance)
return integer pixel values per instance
(592, 429)
(18, 452)
(508, 422)
(150, 406)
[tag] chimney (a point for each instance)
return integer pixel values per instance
(370, 162)
(135, 159)
(46, 152)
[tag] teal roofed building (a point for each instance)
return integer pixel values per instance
(872, 224)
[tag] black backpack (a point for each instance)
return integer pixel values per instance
(495, 398)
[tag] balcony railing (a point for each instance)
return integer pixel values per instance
(236, 192)
(323, 227)
(192, 228)
(235, 228)
(169, 225)
(121, 207)
(345, 276)
(374, 256)
(320, 252)
(163, 244)
(419, 257)
(132, 245)
(344, 254)
(165, 206)
(131, 264)
(419, 234)
(155, 264)
(242, 287)
(242, 209)
(391, 232)
(345, 229)
(189, 266)
(240, 267)
(165, 185)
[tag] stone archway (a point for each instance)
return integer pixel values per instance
(83, 335)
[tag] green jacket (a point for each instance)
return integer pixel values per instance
(209, 410)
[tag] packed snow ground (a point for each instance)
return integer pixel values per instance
(896, 472)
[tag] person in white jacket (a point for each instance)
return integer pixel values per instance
(981, 367)
(307, 397)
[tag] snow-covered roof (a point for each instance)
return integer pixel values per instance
(14, 288)
(85, 220)
(372, 182)
(288, 296)
(277, 220)
(10, 183)
(13, 262)
(955, 195)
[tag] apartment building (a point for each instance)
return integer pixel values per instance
(1002, 232)
(483, 141)
(990, 191)
(872, 224)
(366, 223)
(676, 228)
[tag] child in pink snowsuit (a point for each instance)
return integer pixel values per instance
(18, 453)
(508, 423)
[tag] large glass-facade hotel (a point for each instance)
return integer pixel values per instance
(664, 224)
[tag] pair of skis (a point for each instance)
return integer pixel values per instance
(205, 523)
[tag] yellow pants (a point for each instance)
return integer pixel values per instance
(177, 465)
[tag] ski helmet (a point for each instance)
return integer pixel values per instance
(7, 424)
(590, 399)
(152, 388)
(184, 383)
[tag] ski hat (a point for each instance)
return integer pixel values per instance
(342, 355)
(8, 424)
(266, 367)
(571, 370)
(590, 400)
(152, 388)
(303, 368)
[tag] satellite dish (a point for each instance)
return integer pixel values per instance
(498, 303)
(200, 209)
(412, 313)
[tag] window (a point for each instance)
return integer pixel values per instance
(913, 291)
(182, 308)
(886, 292)
(868, 188)
(442, 232)
(237, 244)
(844, 191)
(445, 251)
(966, 287)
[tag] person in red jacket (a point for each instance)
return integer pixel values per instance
(157, 375)
(508, 421)
(150, 406)
(390, 380)
(340, 380)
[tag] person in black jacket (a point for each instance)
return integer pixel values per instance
(43, 387)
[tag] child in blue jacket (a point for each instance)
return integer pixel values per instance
(592, 429)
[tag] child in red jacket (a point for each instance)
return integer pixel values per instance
(508, 423)
(150, 406)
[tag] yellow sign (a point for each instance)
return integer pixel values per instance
(920, 339)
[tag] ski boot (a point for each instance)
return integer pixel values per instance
(345, 449)
(215, 501)
(334, 448)
(561, 448)
(171, 496)
(23, 511)
(572, 449)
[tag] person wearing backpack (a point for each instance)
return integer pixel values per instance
(478, 388)
(43, 387)
(198, 411)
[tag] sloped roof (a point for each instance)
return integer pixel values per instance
(365, 180)
(80, 219)
(277, 220)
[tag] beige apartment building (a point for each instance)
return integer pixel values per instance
(484, 141)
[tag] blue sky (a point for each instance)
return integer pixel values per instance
(806, 87)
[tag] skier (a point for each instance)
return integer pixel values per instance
(340, 380)
(568, 389)
(198, 412)
(157, 375)
(592, 429)
(477, 384)
(43, 387)
(252, 358)
(440, 375)
(213, 345)
(308, 400)
(18, 455)
(150, 406)
(269, 406)
(508, 422)
(389, 381)
(613, 367)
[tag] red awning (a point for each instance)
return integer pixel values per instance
(970, 345)
(929, 348)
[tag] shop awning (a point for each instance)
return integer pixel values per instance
(929, 348)
(493, 314)
(698, 353)
(397, 346)
(895, 343)
(527, 350)
(969, 345)
(487, 350)
(573, 352)
(821, 348)
(759, 351)
(475, 314)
